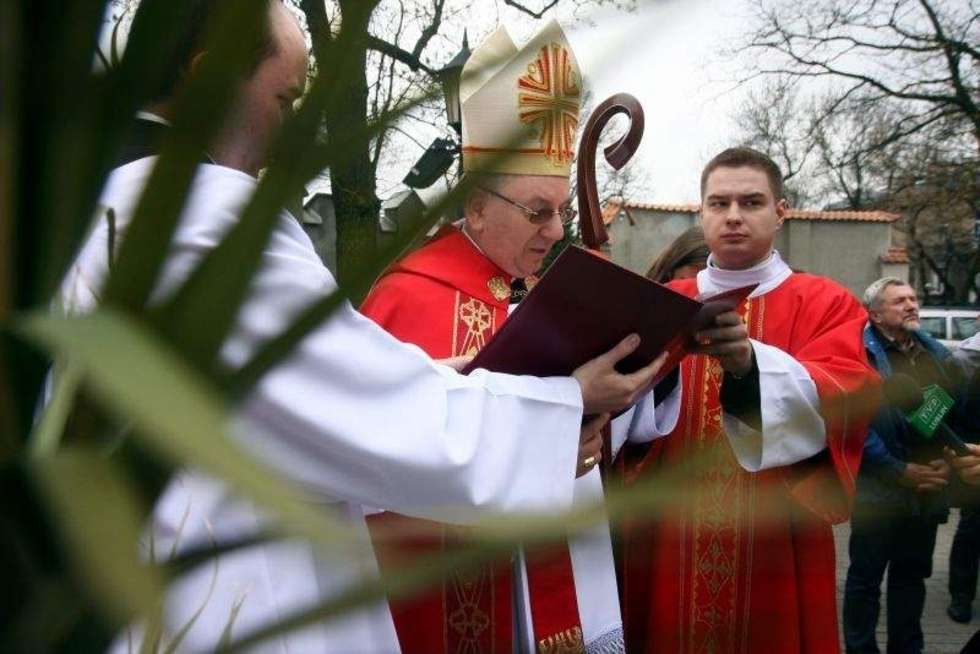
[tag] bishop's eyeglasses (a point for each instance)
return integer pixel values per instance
(536, 216)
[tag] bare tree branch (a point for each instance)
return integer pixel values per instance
(398, 54)
(537, 15)
(900, 51)
(430, 30)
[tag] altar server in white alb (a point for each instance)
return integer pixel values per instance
(353, 416)
(520, 109)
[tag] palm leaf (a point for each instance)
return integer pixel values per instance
(51, 424)
(76, 484)
(176, 413)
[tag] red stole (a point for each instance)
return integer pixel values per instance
(748, 565)
(448, 299)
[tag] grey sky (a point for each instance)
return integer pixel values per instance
(668, 55)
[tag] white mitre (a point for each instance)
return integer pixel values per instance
(520, 107)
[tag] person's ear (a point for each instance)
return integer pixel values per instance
(475, 212)
(781, 208)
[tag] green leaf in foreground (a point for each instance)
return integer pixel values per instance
(178, 414)
(78, 484)
(50, 426)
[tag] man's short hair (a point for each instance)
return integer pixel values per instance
(872, 294)
(476, 180)
(191, 41)
(744, 156)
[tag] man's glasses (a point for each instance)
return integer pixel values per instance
(537, 216)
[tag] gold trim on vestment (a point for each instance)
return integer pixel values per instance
(499, 289)
(468, 620)
(477, 319)
(569, 641)
(721, 520)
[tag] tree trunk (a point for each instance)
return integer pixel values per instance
(352, 178)
(354, 195)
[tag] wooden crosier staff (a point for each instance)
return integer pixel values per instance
(593, 230)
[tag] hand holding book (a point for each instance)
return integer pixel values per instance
(728, 341)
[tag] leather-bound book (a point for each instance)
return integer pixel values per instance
(584, 305)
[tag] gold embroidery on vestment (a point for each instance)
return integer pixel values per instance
(499, 289)
(569, 641)
(721, 520)
(478, 319)
(468, 620)
(717, 517)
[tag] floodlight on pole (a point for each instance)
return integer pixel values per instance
(439, 156)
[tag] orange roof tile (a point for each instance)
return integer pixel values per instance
(861, 216)
(791, 214)
(667, 208)
(895, 255)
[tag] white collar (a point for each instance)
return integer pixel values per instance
(152, 117)
(767, 274)
(469, 237)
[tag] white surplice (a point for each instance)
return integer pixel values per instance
(353, 416)
(590, 550)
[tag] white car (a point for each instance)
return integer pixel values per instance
(949, 326)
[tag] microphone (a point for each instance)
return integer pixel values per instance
(925, 409)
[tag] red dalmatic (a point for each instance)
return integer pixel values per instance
(748, 565)
(448, 299)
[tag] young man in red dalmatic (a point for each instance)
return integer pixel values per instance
(772, 428)
(449, 297)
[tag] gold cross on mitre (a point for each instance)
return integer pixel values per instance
(520, 106)
(550, 97)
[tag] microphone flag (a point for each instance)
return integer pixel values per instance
(936, 403)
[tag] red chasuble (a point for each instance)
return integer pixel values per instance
(448, 299)
(748, 565)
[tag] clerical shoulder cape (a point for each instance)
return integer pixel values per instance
(448, 298)
(445, 297)
(748, 565)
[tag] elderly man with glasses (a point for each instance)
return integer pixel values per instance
(520, 108)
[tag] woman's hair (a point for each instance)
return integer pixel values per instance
(688, 248)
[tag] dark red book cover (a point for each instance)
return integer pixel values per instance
(583, 306)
